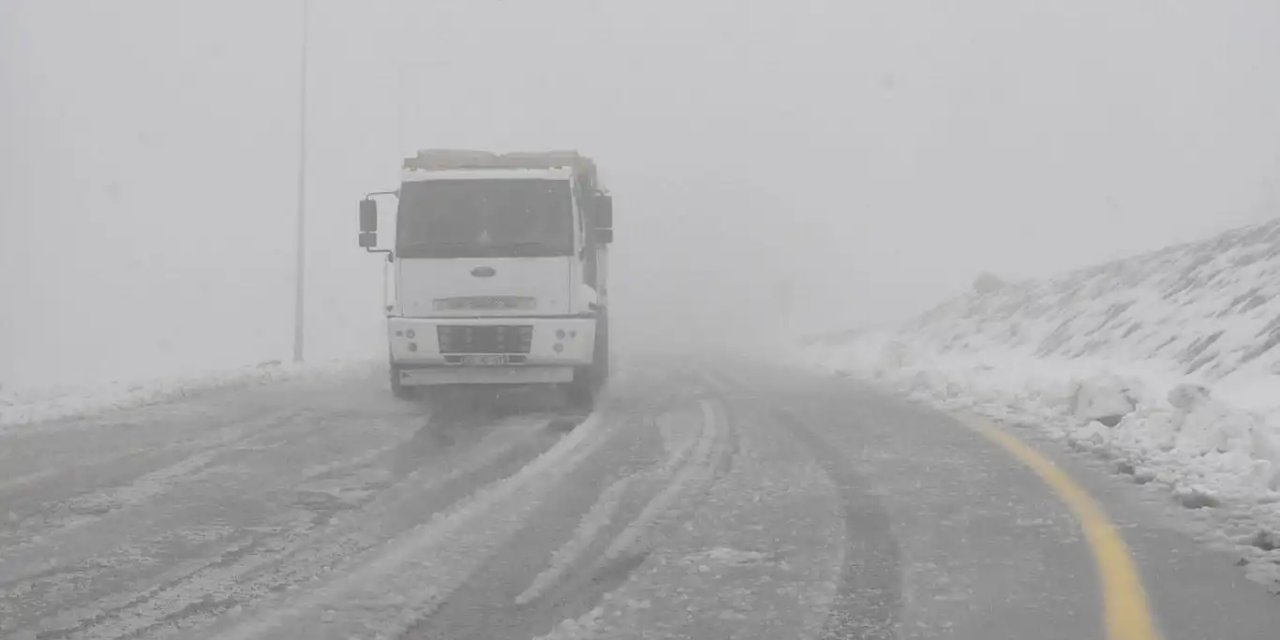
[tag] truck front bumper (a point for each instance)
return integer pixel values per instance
(432, 351)
(428, 376)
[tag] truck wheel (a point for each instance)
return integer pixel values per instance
(399, 390)
(600, 368)
(581, 393)
(588, 381)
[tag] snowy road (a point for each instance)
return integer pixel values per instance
(709, 500)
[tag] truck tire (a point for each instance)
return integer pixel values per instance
(580, 394)
(399, 390)
(588, 381)
(600, 366)
(602, 351)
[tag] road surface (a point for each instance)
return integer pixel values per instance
(708, 499)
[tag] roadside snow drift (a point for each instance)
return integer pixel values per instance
(27, 406)
(1168, 362)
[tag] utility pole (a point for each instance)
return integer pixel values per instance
(299, 303)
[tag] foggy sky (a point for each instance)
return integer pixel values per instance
(877, 154)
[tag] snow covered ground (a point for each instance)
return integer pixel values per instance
(1168, 363)
(20, 406)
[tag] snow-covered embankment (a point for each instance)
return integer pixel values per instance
(1168, 363)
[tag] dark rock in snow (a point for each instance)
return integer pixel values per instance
(1195, 498)
(1112, 420)
(1188, 396)
(1266, 540)
(1104, 399)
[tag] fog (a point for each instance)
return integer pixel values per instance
(875, 156)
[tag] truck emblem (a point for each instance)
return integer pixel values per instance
(483, 272)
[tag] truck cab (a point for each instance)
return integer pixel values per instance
(498, 267)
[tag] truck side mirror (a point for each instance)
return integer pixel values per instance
(604, 236)
(368, 216)
(368, 239)
(604, 212)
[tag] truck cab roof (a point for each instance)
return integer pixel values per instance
(463, 161)
(421, 175)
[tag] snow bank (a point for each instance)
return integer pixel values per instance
(1158, 424)
(24, 406)
(1168, 363)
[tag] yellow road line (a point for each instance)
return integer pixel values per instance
(1127, 616)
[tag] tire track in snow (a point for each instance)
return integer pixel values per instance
(283, 558)
(399, 585)
(870, 593)
(693, 474)
(869, 597)
(61, 529)
(688, 463)
(563, 537)
(571, 552)
(668, 594)
(689, 470)
(220, 438)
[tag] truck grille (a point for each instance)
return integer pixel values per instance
(484, 338)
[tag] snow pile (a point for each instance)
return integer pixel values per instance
(18, 406)
(1167, 362)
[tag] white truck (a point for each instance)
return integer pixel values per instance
(498, 271)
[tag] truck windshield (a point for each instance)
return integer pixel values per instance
(485, 218)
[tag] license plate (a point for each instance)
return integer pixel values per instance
(484, 361)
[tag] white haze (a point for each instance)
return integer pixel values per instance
(876, 155)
